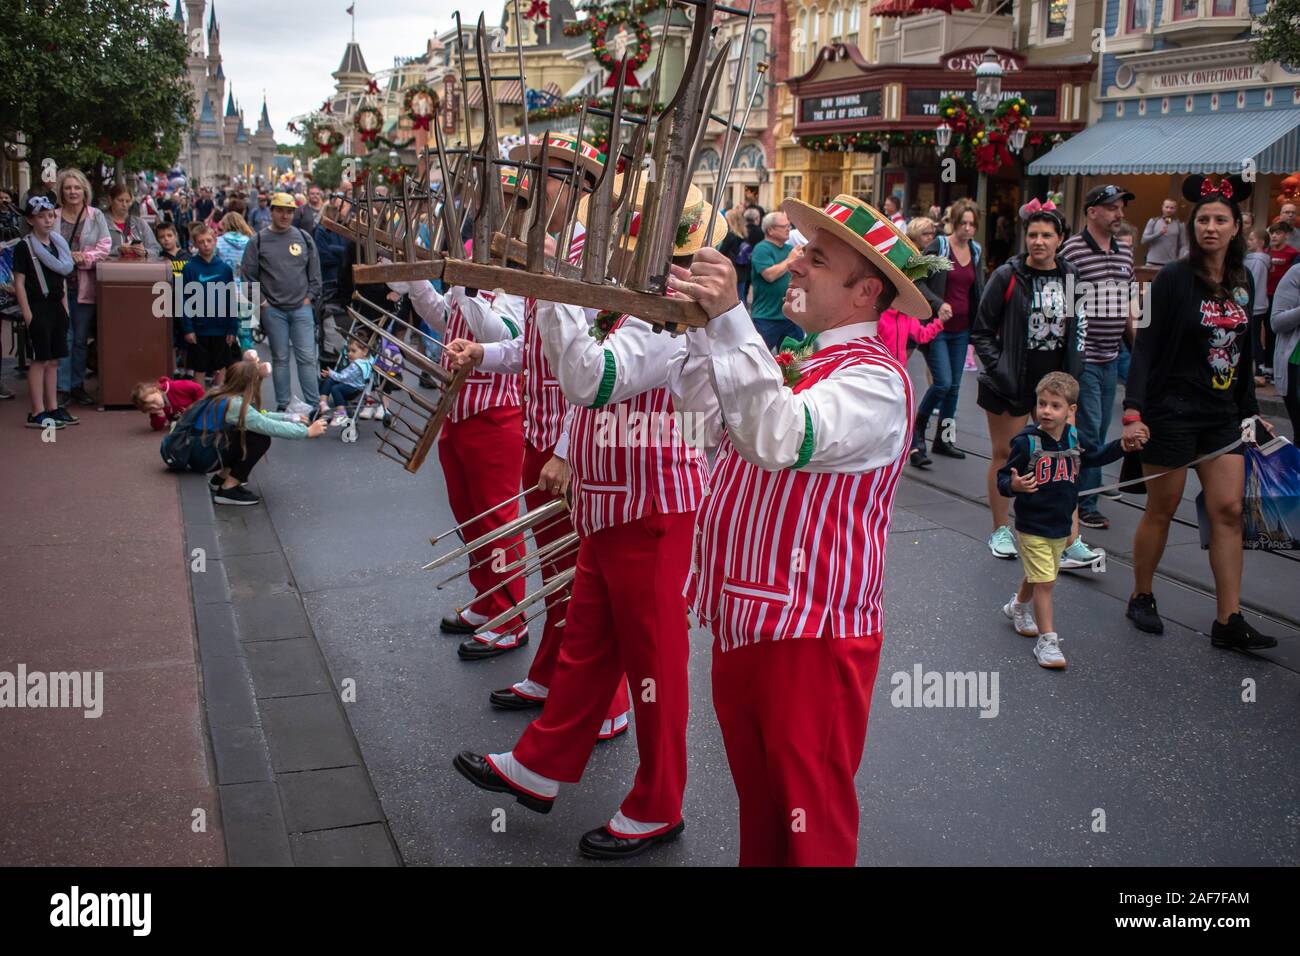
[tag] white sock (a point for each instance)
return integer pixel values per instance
(472, 617)
(620, 825)
(530, 688)
(487, 637)
(521, 776)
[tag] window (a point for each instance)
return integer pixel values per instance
(1186, 9)
(854, 22)
(837, 22)
(791, 187)
(757, 55)
(814, 37)
(862, 185)
(1225, 8)
(729, 73)
(1058, 12)
(1139, 14)
(803, 30)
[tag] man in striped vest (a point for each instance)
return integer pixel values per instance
(544, 407)
(480, 448)
(790, 556)
(637, 484)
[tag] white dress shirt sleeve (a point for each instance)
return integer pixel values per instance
(503, 358)
(691, 387)
(428, 302)
(562, 446)
(857, 416)
(487, 322)
(593, 374)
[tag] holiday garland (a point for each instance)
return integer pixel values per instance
(369, 130)
(572, 107)
(597, 25)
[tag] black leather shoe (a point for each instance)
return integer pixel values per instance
(453, 623)
(1142, 612)
(600, 844)
(1238, 635)
(941, 447)
(507, 699)
(475, 768)
(472, 650)
(920, 459)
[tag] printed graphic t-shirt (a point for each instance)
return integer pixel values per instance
(1210, 353)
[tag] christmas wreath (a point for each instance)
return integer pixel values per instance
(326, 138)
(368, 121)
(420, 104)
(601, 20)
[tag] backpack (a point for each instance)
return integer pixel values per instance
(1036, 452)
(196, 440)
(389, 361)
(744, 253)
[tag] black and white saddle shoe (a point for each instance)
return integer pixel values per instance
(476, 769)
(508, 699)
(600, 844)
(453, 623)
(475, 649)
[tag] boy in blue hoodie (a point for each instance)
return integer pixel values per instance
(210, 308)
(1042, 474)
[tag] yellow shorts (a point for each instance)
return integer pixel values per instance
(1041, 557)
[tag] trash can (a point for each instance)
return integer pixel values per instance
(134, 331)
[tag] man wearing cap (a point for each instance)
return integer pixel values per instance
(544, 409)
(259, 218)
(284, 261)
(1106, 264)
(636, 489)
(790, 551)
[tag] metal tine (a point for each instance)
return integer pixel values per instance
(674, 173)
(634, 170)
(474, 566)
(416, 412)
(457, 529)
(398, 319)
(541, 211)
(724, 172)
(406, 455)
(595, 253)
(408, 234)
(504, 531)
(401, 461)
(451, 221)
(420, 359)
(488, 219)
(464, 83)
(575, 190)
(533, 560)
(557, 583)
(411, 434)
(370, 225)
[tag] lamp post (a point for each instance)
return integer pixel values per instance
(942, 138)
(988, 94)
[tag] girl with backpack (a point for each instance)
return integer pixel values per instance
(1025, 329)
(247, 432)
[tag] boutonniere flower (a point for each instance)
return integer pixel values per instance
(791, 355)
(604, 324)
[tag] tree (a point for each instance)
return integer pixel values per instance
(328, 171)
(94, 81)
(1279, 34)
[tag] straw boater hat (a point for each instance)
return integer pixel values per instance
(870, 233)
(691, 230)
(510, 182)
(563, 146)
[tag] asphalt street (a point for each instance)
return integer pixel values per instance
(1143, 752)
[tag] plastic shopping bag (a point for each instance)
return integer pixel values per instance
(1271, 503)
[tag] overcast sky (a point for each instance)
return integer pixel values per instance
(290, 47)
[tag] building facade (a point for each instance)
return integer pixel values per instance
(1178, 92)
(219, 149)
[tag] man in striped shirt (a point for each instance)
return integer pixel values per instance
(1105, 275)
(790, 552)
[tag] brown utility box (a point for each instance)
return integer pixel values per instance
(134, 344)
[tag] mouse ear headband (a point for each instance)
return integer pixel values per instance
(1232, 189)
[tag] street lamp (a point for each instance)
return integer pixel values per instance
(942, 137)
(988, 82)
(1016, 140)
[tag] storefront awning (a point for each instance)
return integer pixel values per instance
(1211, 143)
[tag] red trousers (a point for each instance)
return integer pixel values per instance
(794, 721)
(627, 616)
(481, 457)
(548, 652)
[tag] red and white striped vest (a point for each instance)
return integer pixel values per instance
(543, 400)
(482, 390)
(629, 459)
(796, 554)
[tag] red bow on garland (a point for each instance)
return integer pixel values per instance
(420, 122)
(372, 87)
(1224, 188)
(538, 10)
(368, 136)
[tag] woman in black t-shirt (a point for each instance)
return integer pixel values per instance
(1190, 385)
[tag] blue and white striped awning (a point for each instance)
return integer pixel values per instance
(1207, 143)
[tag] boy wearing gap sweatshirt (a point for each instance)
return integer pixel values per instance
(1042, 473)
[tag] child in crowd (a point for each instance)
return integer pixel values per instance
(340, 387)
(170, 243)
(41, 262)
(165, 400)
(1281, 255)
(1041, 473)
(210, 322)
(1258, 263)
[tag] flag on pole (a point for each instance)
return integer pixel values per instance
(351, 9)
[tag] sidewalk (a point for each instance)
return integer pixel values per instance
(95, 580)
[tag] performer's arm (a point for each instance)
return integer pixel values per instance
(854, 420)
(592, 374)
(489, 323)
(428, 302)
(503, 358)
(691, 387)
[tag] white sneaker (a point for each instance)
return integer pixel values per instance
(1002, 543)
(1022, 617)
(1048, 651)
(340, 419)
(367, 412)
